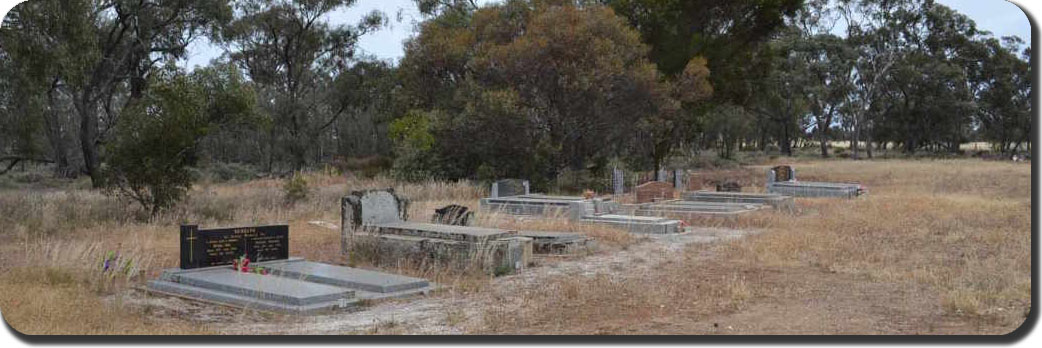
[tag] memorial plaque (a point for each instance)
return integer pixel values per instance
(220, 246)
(784, 173)
(510, 187)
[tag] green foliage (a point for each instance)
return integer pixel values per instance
(529, 88)
(296, 59)
(413, 131)
(156, 140)
(295, 188)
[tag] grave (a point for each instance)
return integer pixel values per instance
(272, 281)
(509, 188)
(779, 202)
(453, 214)
(654, 190)
(703, 212)
(539, 204)
(371, 224)
(782, 180)
(636, 224)
(579, 209)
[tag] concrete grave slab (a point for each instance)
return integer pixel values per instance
(636, 224)
(776, 201)
(347, 277)
(266, 287)
(291, 286)
(449, 232)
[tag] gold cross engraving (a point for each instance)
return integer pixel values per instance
(191, 247)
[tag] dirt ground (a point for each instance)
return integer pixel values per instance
(447, 311)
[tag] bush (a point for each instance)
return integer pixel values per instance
(295, 188)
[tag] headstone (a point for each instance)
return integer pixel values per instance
(661, 176)
(369, 207)
(694, 182)
(729, 186)
(655, 190)
(618, 182)
(452, 214)
(784, 173)
(509, 187)
(678, 179)
(220, 246)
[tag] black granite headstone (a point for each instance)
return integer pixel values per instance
(220, 246)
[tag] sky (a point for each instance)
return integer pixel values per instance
(1000, 17)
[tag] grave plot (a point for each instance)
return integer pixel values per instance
(216, 267)
(539, 204)
(782, 180)
(636, 224)
(373, 222)
(696, 211)
(776, 201)
(579, 209)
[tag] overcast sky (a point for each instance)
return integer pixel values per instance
(997, 16)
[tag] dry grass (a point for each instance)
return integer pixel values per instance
(69, 232)
(943, 246)
(947, 240)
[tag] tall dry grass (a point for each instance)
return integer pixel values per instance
(66, 234)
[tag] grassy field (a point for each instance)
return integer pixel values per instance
(938, 246)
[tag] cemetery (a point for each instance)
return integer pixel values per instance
(249, 267)
(399, 255)
(518, 167)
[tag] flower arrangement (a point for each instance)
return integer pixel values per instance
(242, 264)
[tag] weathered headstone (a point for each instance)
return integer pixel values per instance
(678, 179)
(509, 187)
(452, 214)
(655, 190)
(661, 175)
(369, 207)
(220, 246)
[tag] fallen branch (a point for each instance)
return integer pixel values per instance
(15, 159)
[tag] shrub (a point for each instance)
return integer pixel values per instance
(295, 188)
